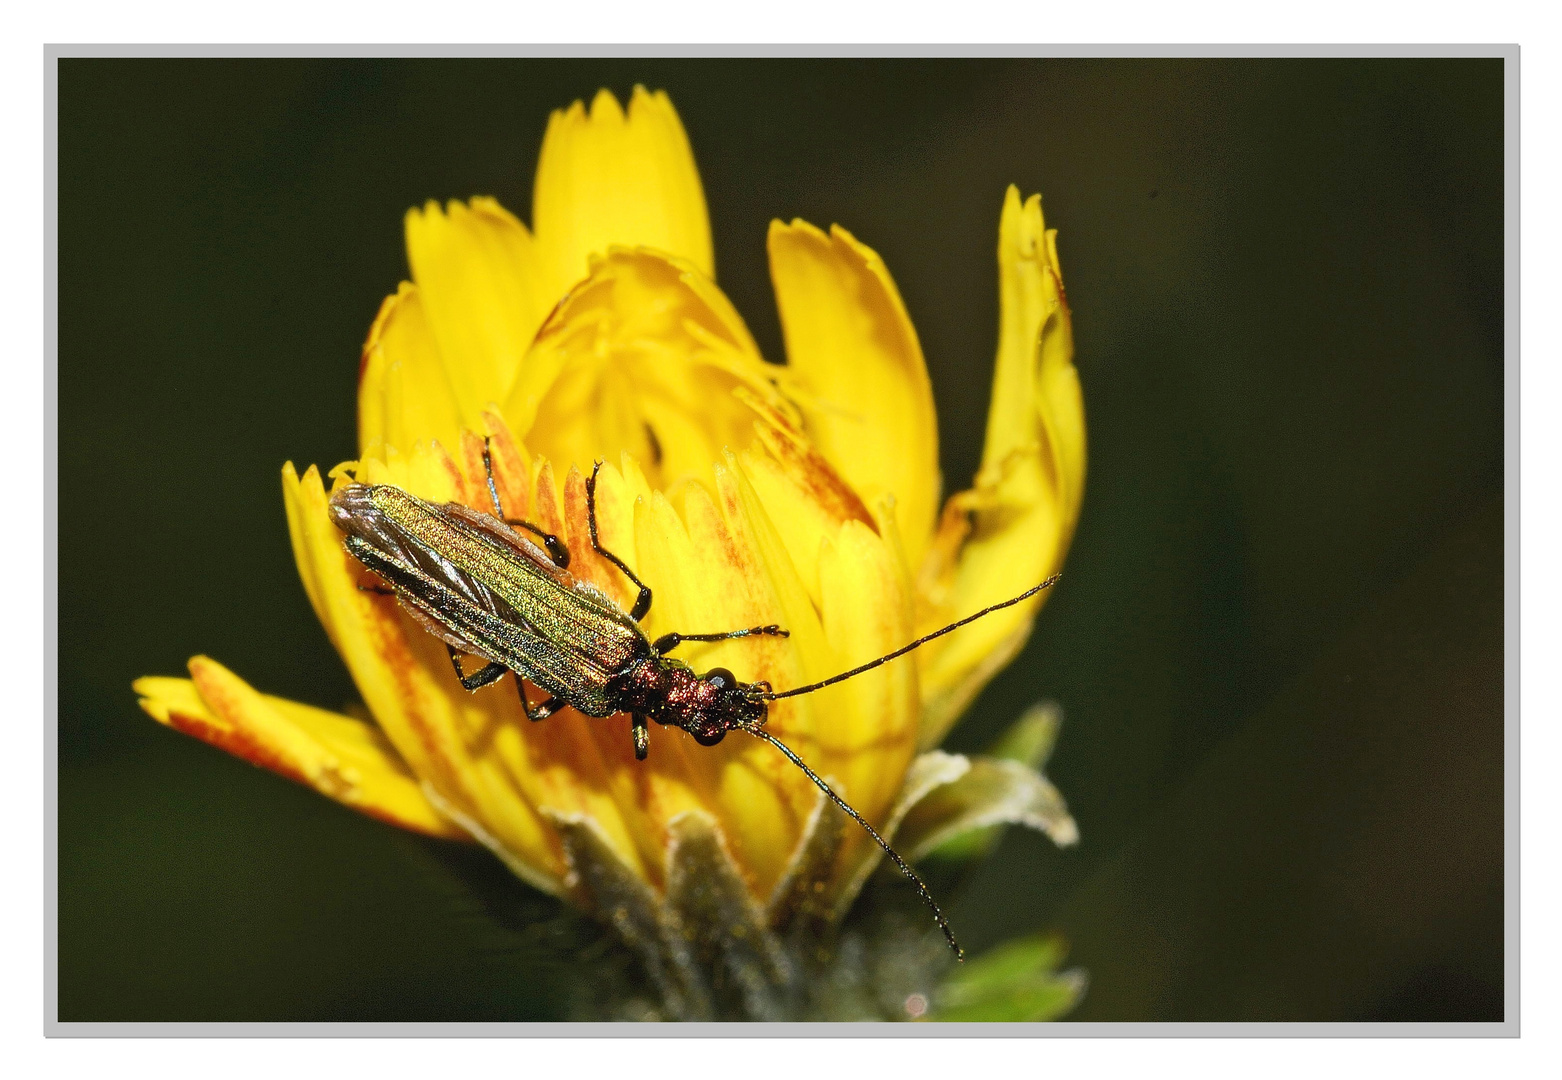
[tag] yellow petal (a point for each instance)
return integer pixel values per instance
(511, 471)
(605, 179)
(336, 755)
(643, 359)
(854, 355)
(808, 655)
(427, 471)
(705, 581)
(482, 292)
(870, 739)
(404, 391)
(1013, 528)
(1036, 395)
(803, 495)
(857, 735)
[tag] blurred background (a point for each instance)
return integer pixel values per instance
(1278, 643)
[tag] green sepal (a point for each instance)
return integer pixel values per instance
(1030, 739)
(929, 772)
(964, 819)
(631, 907)
(745, 968)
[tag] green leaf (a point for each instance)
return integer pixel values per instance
(1017, 981)
(1047, 1000)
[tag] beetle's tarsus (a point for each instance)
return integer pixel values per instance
(483, 676)
(558, 551)
(541, 712)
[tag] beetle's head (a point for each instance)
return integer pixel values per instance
(725, 704)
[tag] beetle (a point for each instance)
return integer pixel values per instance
(488, 591)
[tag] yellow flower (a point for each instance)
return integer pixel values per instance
(742, 492)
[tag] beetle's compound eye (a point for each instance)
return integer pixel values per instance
(711, 739)
(721, 678)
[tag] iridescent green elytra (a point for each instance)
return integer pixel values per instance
(489, 592)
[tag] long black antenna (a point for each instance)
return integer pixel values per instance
(902, 651)
(927, 897)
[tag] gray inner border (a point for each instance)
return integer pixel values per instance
(52, 1027)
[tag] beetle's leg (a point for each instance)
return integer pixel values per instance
(377, 590)
(556, 549)
(489, 673)
(671, 641)
(643, 601)
(541, 712)
(488, 469)
(642, 737)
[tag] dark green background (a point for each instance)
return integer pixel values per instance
(1278, 644)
